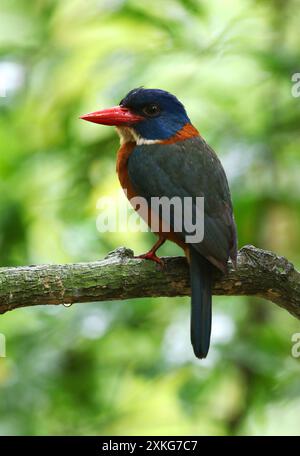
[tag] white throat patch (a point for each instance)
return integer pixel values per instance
(128, 134)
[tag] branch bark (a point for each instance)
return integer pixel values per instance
(120, 276)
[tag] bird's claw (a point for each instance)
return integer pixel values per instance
(153, 257)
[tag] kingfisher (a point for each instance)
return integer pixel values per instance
(162, 154)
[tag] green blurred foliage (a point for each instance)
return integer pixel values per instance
(127, 367)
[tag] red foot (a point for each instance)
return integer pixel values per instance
(151, 256)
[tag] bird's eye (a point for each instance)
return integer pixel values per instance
(151, 110)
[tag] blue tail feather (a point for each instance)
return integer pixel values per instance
(201, 283)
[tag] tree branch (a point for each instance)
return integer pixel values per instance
(120, 276)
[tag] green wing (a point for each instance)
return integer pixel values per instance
(189, 168)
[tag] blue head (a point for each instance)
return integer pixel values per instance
(162, 114)
(153, 114)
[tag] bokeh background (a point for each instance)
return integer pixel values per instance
(127, 367)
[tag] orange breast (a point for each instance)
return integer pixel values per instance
(122, 171)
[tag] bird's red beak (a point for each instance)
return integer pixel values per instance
(116, 116)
